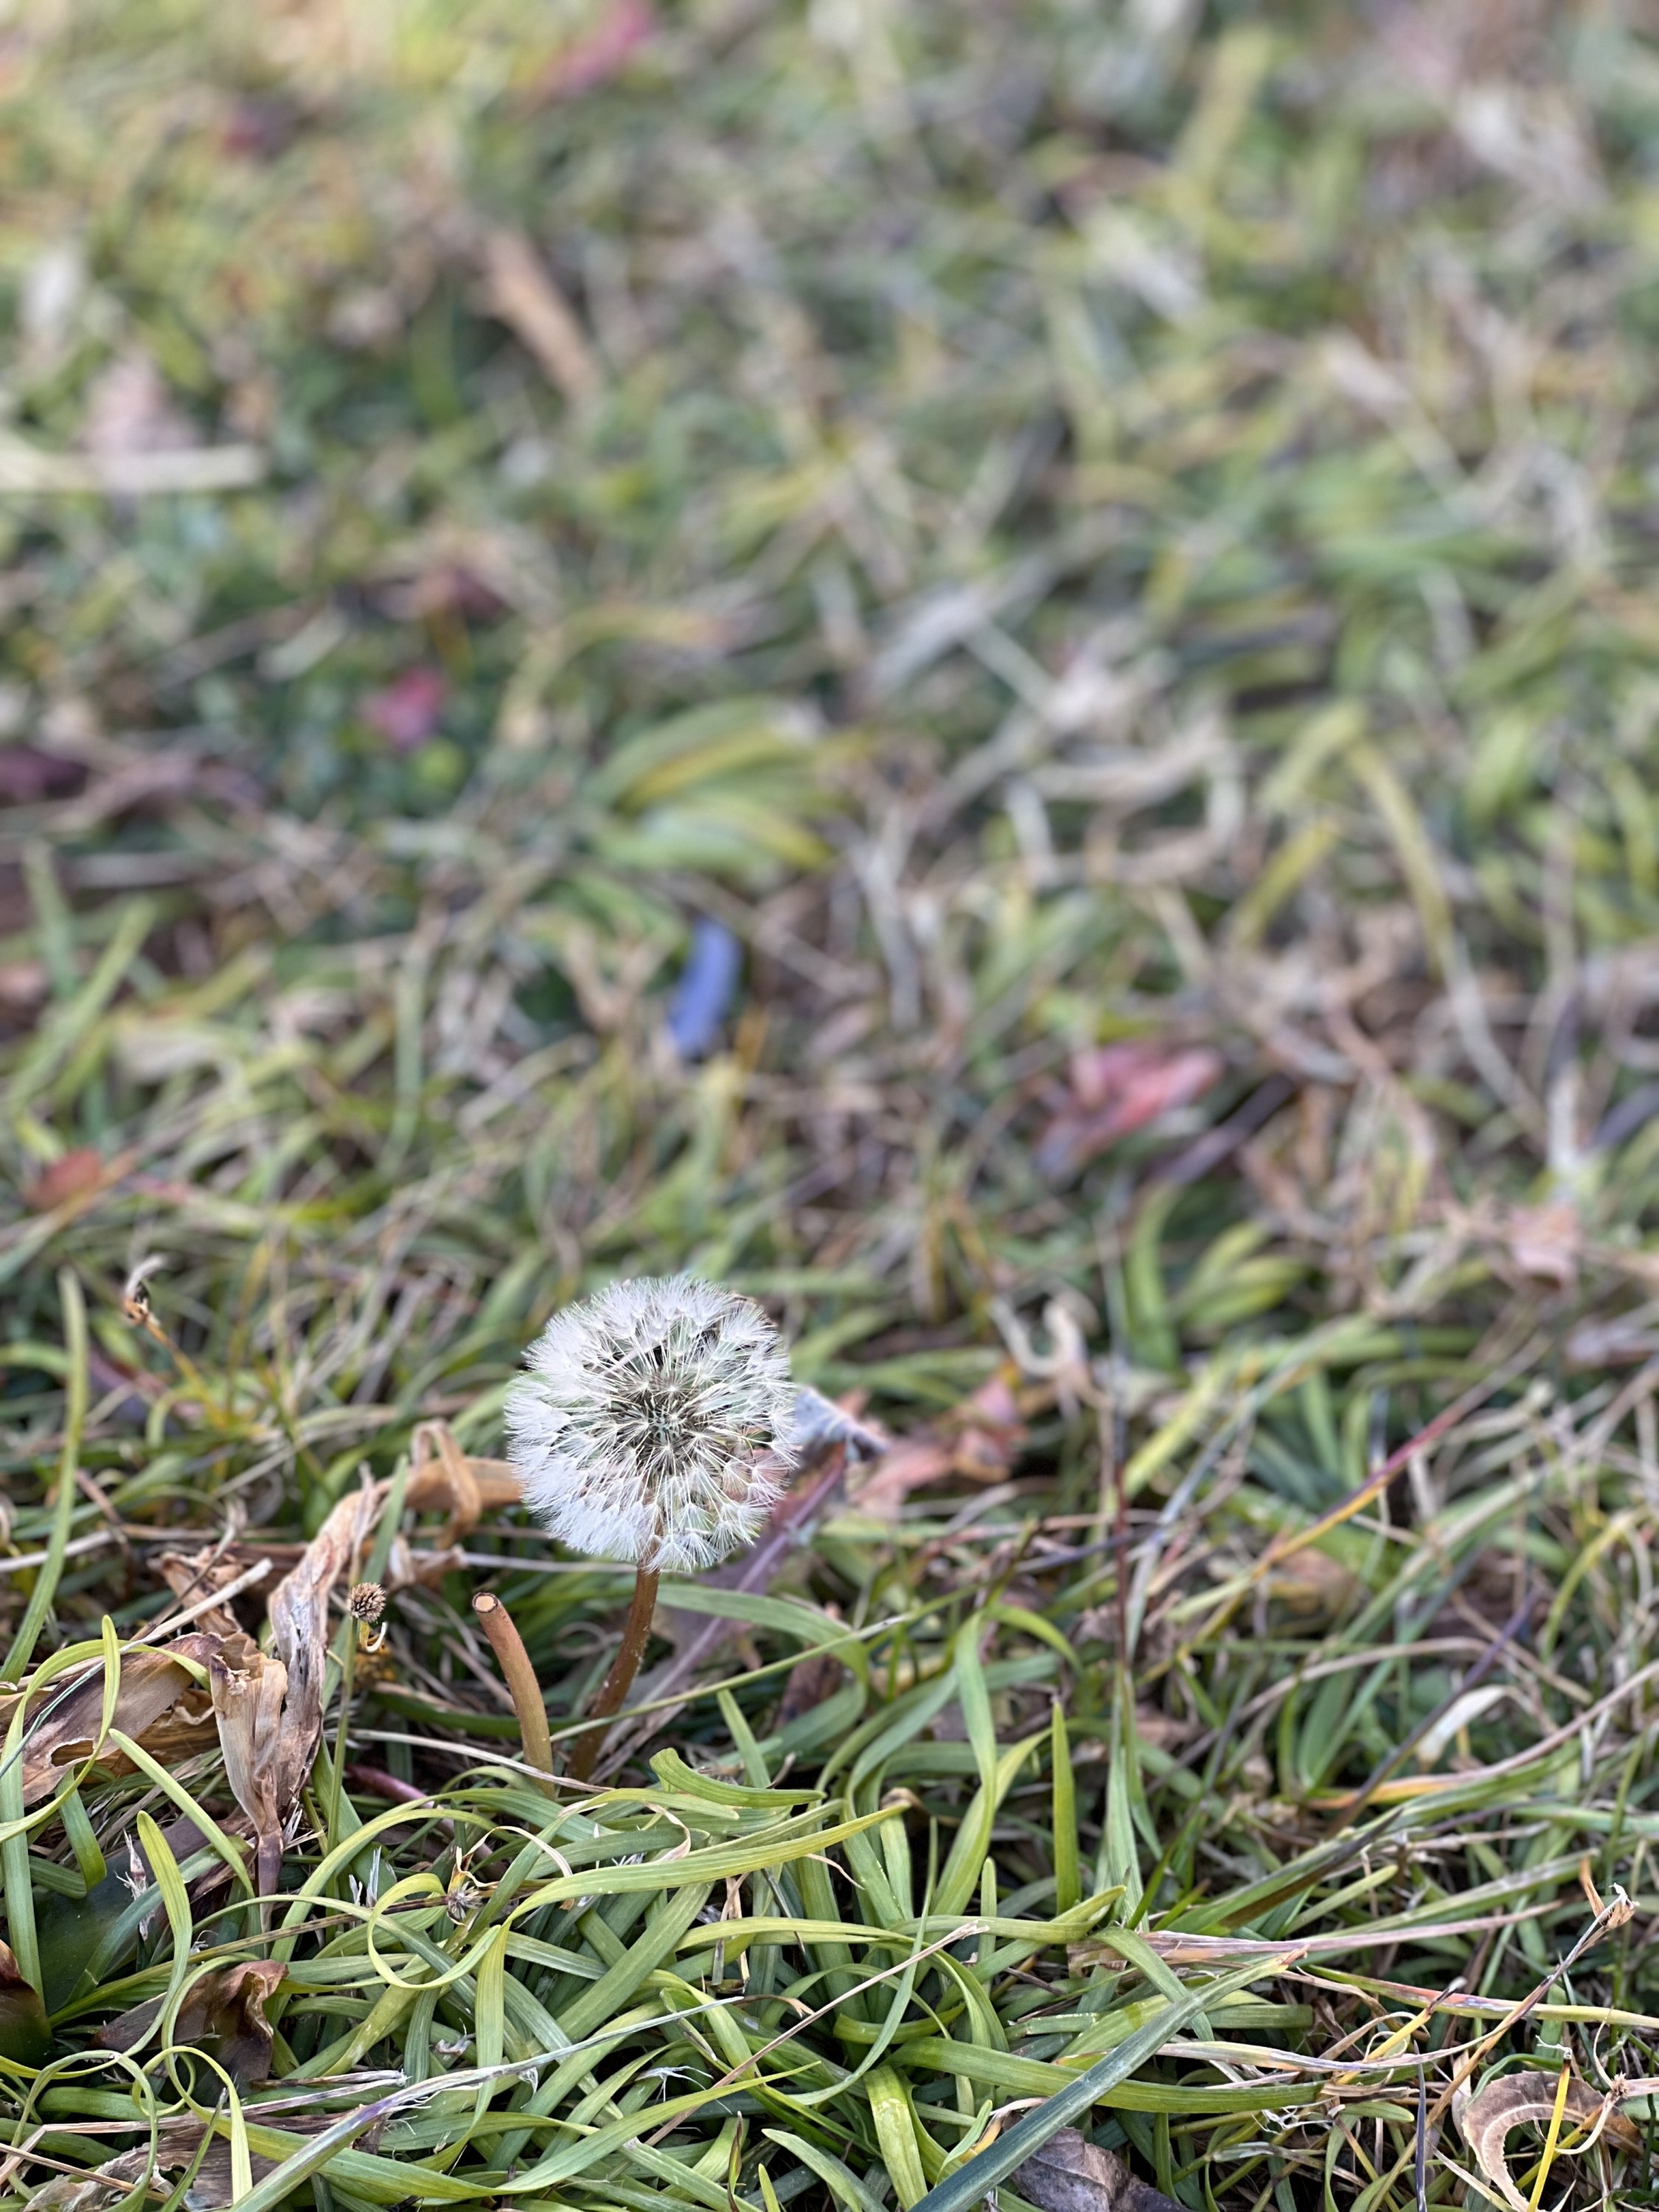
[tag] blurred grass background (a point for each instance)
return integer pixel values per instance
(991, 667)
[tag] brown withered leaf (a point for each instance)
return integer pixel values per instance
(71, 1175)
(299, 1633)
(809, 1682)
(980, 1440)
(1071, 2175)
(223, 2014)
(1516, 2100)
(912, 1463)
(159, 1703)
(248, 1689)
(176, 2143)
(25, 2031)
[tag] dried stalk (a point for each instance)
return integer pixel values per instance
(513, 1660)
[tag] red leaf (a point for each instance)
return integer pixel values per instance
(1117, 1089)
(590, 61)
(74, 1175)
(405, 713)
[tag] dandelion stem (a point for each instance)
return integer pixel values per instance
(513, 1660)
(619, 1681)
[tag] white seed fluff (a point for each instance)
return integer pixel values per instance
(655, 1424)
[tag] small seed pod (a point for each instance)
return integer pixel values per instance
(366, 1603)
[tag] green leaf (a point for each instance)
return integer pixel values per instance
(972, 2183)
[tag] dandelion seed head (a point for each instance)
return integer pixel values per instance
(655, 1424)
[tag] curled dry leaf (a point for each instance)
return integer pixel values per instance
(1068, 2174)
(299, 1627)
(248, 1689)
(223, 2014)
(269, 1704)
(1516, 2100)
(444, 1480)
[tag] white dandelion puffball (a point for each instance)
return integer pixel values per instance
(655, 1424)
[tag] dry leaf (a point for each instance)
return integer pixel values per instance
(1546, 1241)
(918, 1459)
(191, 1576)
(223, 2014)
(248, 1688)
(1070, 2175)
(809, 1682)
(299, 1622)
(176, 2144)
(980, 1440)
(159, 1703)
(71, 1175)
(1516, 2100)
(25, 2031)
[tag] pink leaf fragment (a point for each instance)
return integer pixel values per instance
(588, 62)
(405, 713)
(1116, 1089)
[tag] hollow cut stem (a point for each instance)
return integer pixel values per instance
(624, 1668)
(526, 1690)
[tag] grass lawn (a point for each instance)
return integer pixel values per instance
(989, 669)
